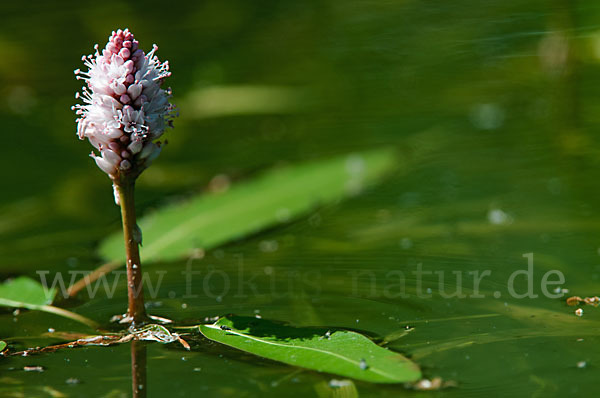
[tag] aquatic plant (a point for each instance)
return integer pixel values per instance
(124, 113)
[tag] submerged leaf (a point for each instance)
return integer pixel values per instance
(24, 292)
(339, 352)
(273, 198)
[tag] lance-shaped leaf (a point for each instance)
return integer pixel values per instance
(340, 352)
(275, 197)
(23, 292)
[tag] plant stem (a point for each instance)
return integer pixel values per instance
(135, 290)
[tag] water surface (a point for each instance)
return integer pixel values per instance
(492, 108)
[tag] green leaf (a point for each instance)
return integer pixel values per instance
(2, 345)
(273, 198)
(216, 101)
(340, 352)
(24, 292)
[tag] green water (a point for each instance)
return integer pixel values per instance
(492, 107)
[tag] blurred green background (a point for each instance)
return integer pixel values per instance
(492, 107)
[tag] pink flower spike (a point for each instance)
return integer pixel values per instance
(123, 109)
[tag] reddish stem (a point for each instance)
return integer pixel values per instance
(135, 290)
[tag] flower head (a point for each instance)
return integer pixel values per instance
(124, 109)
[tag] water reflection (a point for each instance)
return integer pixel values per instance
(138, 369)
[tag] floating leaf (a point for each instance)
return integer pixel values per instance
(275, 197)
(2, 345)
(23, 292)
(339, 352)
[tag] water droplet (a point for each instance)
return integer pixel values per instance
(406, 243)
(498, 217)
(268, 246)
(363, 364)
